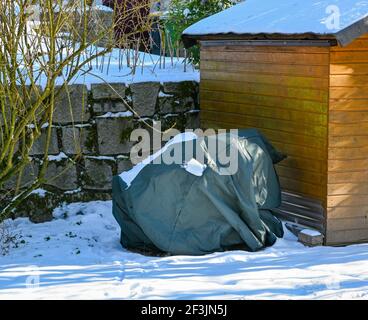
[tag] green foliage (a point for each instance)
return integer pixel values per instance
(183, 13)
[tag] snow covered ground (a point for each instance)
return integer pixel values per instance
(78, 256)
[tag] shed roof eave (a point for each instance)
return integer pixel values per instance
(191, 40)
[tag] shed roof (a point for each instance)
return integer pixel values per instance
(343, 20)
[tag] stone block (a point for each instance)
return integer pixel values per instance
(310, 238)
(38, 147)
(16, 146)
(181, 89)
(113, 135)
(108, 106)
(27, 96)
(185, 104)
(144, 96)
(108, 91)
(28, 175)
(76, 140)
(39, 206)
(178, 122)
(167, 104)
(62, 175)
(71, 105)
(184, 93)
(192, 120)
(124, 164)
(98, 174)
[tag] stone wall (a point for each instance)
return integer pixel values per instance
(96, 125)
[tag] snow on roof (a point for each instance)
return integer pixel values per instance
(288, 17)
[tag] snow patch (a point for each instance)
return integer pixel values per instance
(73, 191)
(122, 114)
(40, 192)
(130, 175)
(101, 158)
(61, 156)
(164, 95)
(194, 167)
(310, 232)
(83, 125)
(103, 8)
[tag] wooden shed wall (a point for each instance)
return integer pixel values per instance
(347, 200)
(284, 92)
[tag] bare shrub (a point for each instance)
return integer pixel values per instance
(8, 238)
(35, 56)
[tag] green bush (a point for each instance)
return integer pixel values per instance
(183, 13)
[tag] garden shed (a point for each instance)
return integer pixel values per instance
(298, 71)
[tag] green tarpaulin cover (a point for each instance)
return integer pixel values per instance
(167, 208)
